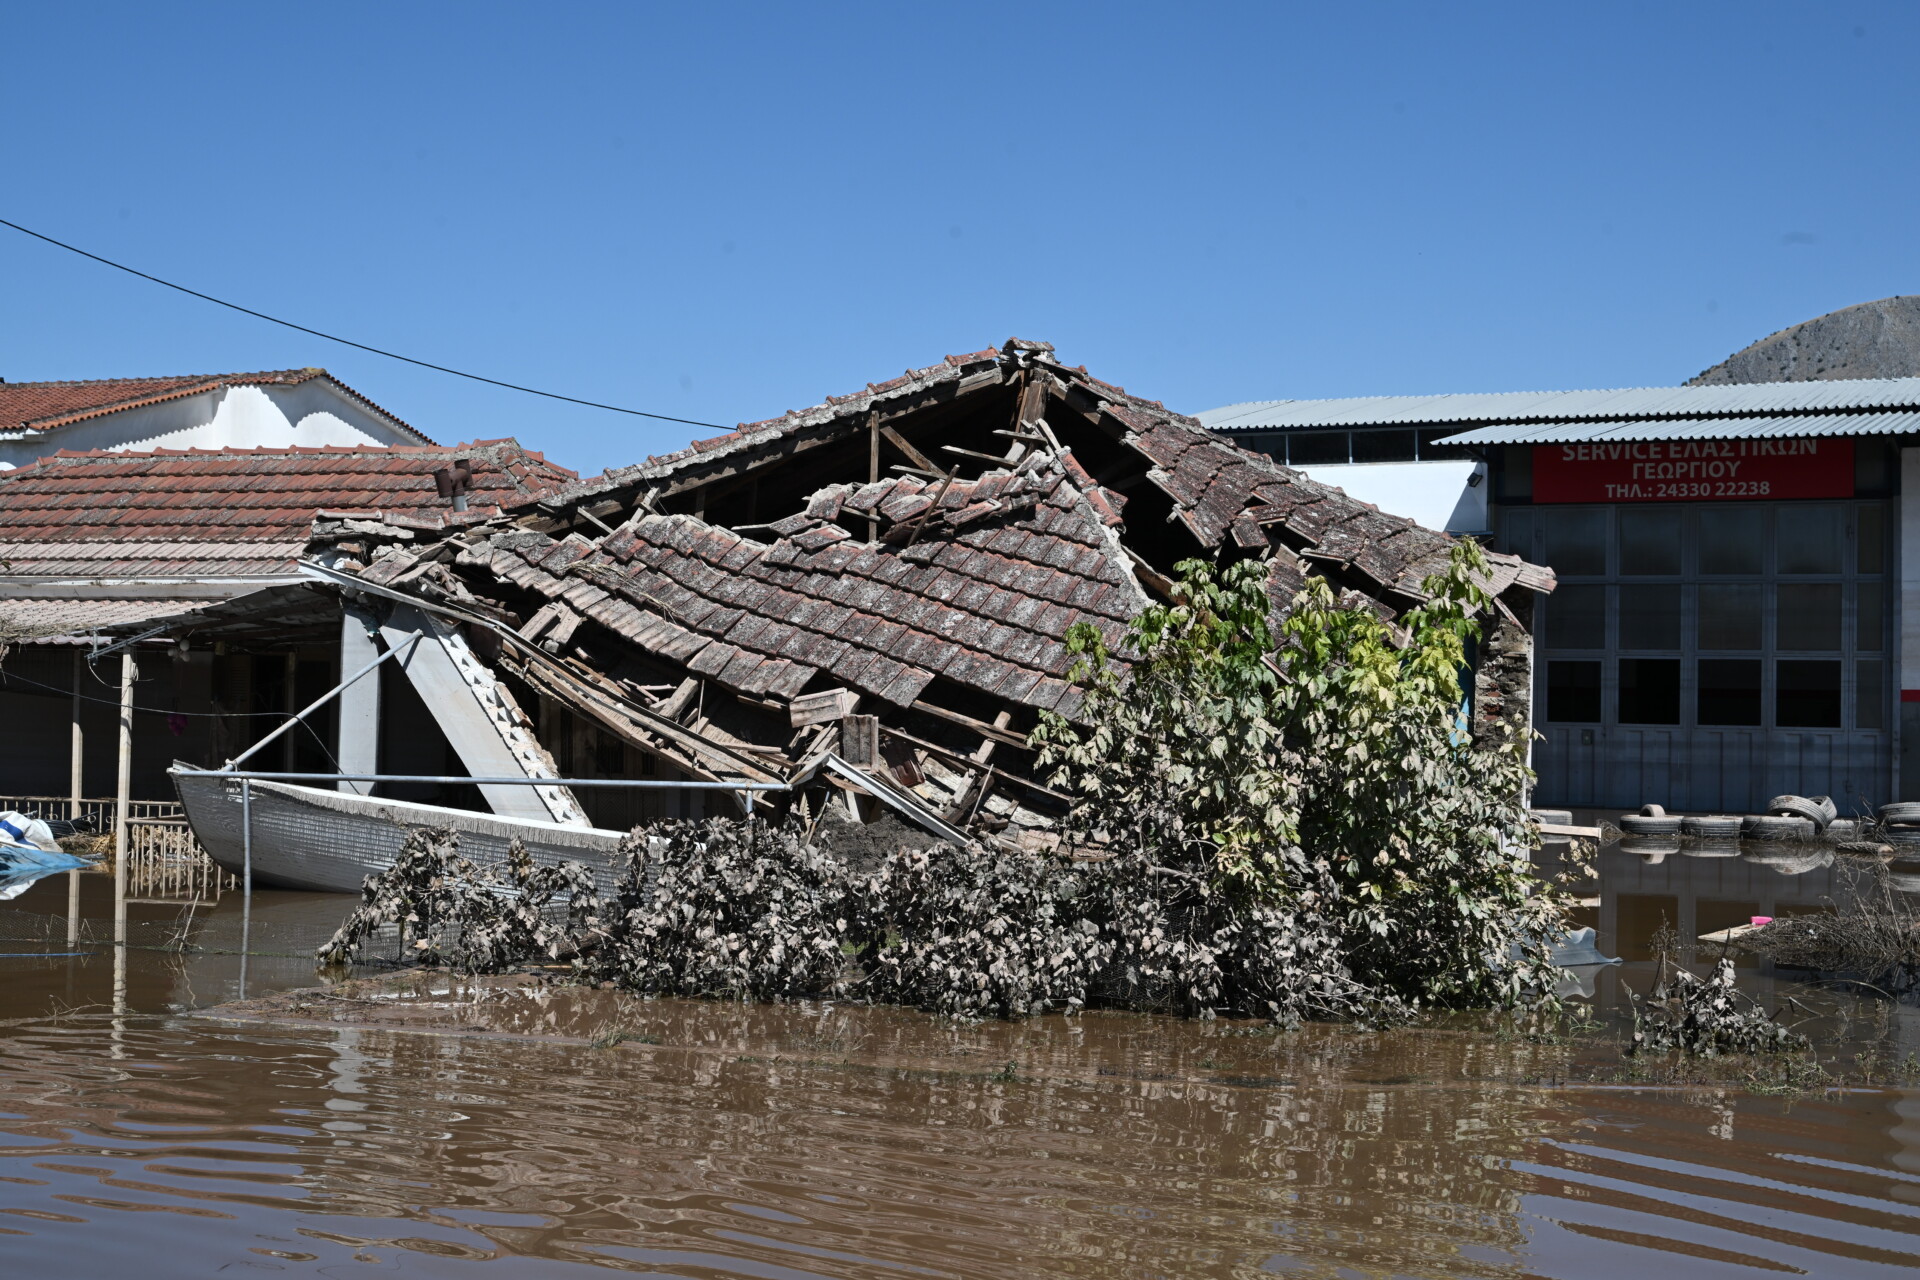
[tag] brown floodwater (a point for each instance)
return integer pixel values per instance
(428, 1127)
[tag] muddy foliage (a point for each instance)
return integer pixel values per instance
(722, 908)
(1872, 935)
(1706, 1017)
(469, 917)
(979, 932)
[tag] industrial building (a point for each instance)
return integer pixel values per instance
(1735, 569)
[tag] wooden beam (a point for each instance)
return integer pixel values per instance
(955, 758)
(996, 731)
(995, 459)
(914, 456)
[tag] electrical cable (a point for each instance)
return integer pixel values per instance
(7, 677)
(391, 355)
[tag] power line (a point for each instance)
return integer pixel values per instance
(391, 355)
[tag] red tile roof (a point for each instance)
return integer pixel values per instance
(44, 406)
(219, 511)
(1003, 566)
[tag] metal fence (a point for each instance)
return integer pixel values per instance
(165, 864)
(99, 813)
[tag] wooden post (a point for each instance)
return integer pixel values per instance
(123, 791)
(873, 467)
(76, 791)
(76, 770)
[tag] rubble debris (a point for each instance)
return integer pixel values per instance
(886, 581)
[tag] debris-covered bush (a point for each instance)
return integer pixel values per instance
(1705, 1017)
(1872, 934)
(1182, 944)
(1324, 776)
(724, 908)
(979, 932)
(469, 917)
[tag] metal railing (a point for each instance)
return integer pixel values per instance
(97, 812)
(165, 864)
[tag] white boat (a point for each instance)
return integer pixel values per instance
(331, 841)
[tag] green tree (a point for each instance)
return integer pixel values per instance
(1323, 768)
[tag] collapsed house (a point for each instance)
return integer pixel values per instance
(872, 594)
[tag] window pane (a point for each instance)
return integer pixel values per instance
(1870, 622)
(1869, 699)
(1383, 446)
(1321, 447)
(1806, 695)
(1649, 540)
(1518, 539)
(1649, 691)
(1650, 617)
(1809, 539)
(1729, 691)
(1729, 615)
(1573, 692)
(1577, 618)
(1577, 541)
(1871, 550)
(1730, 540)
(1808, 616)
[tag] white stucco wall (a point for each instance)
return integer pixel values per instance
(1435, 494)
(314, 412)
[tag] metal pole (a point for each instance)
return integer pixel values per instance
(322, 701)
(246, 879)
(123, 792)
(262, 775)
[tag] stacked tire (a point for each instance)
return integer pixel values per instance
(1652, 820)
(1900, 823)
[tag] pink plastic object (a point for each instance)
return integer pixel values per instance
(1760, 920)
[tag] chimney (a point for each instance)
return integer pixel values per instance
(455, 482)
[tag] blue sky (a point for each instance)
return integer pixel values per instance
(723, 211)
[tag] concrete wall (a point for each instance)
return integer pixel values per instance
(313, 413)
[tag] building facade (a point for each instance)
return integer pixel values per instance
(1732, 611)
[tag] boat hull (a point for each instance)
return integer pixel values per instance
(331, 841)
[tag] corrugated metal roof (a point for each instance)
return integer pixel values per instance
(1766, 426)
(1729, 400)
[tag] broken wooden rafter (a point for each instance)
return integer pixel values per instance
(996, 732)
(962, 762)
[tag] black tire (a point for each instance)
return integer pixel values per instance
(1900, 811)
(1827, 806)
(1776, 827)
(1651, 811)
(1843, 829)
(1635, 824)
(1558, 817)
(1799, 807)
(1900, 834)
(1718, 826)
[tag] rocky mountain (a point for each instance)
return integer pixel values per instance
(1869, 340)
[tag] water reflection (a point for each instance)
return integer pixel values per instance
(823, 1140)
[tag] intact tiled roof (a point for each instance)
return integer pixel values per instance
(69, 621)
(45, 406)
(980, 592)
(219, 512)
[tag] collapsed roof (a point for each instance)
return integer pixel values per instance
(907, 559)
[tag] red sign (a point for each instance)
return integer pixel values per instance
(1693, 470)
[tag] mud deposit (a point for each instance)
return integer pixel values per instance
(423, 1126)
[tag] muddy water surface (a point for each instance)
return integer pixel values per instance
(434, 1128)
